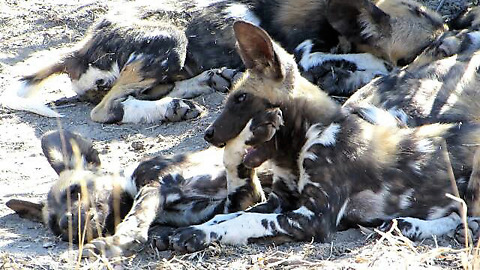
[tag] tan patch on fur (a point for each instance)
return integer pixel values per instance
(299, 13)
(384, 142)
(129, 81)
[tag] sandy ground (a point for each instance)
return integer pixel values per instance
(33, 32)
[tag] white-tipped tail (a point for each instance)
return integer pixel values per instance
(16, 98)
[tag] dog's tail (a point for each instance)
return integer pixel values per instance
(18, 96)
(65, 150)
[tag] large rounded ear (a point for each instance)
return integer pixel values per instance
(359, 21)
(258, 50)
(26, 209)
(65, 150)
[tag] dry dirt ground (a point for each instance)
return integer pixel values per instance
(35, 31)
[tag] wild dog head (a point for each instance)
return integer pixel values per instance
(84, 202)
(271, 80)
(396, 30)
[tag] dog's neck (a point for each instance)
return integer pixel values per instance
(299, 114)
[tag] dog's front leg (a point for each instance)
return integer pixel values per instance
(206, 82)
(132, 233)
(246, 227)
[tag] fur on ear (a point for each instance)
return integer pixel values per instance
(65, 150)
(258, 50)
(359, 21)
(26, 209)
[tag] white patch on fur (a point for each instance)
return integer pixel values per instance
(237, 230)
(172, 197)
(241, 11)
(421, 229)
(233, 156)
(315, 135)
(88, 79)
(56, 155)
(304, 211)
(222, 217)
(17, 97)
(157, 34)
(342, 211)
(474, 38)
(399, 114)
(461, 181)
(405, 200)
(129, 182)
(311, 156)
(425, 146)
(146, 111)
(363, 61)
(328, 137)
(378, 116)
(368, 66)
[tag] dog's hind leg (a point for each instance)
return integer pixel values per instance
(418, 229)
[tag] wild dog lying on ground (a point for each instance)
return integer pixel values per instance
(331, 165)
(86, 202)
(139, 67)
(441, 85)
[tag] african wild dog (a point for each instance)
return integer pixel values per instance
(380, 35)
(440, 85)
(139, 65)
(331, 165)
(178, 191)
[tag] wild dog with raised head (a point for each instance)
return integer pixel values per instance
(178, 191)
(331, 165)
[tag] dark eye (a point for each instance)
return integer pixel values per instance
(240, 98)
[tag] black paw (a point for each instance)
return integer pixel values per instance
(189, 239)
(223, 79)
(182, 109)
(471, 234)
(406, 227)
(160, 237)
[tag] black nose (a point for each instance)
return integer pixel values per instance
(209, 134)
